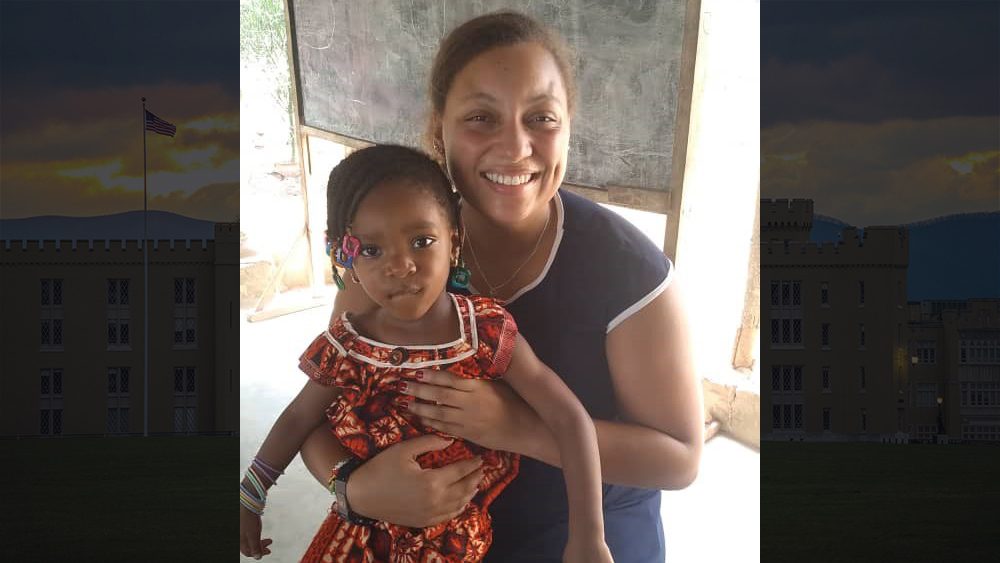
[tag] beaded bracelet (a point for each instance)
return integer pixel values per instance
(259, 471)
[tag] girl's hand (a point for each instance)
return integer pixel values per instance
(488, 413)
(250, 543)
(392, 486)
(587, 550)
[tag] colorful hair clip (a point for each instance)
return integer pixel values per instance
(350, 244)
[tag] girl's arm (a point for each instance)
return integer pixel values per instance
(300, 417)
(282, 443)
(574, 434)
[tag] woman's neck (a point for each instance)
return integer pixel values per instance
(505, 258)
(511, 239)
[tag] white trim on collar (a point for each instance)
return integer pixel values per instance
(473, 331)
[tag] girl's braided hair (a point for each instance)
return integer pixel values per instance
(355, 176)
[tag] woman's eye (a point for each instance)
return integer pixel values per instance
(478, 118)
(369, 251)
(423, 242)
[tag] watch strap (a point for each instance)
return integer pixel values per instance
(341, 473)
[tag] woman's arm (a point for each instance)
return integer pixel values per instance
(657, 446)
(659, 395)
(574, 433)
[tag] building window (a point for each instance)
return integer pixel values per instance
(825, 371)
(926, 394)
(786, 313)
(185, 400)
(119, 337)
(786, 379)
(861, 335)
(926, 432)
(983, 350)
(824, 294)
(50, 402)
(185, 313)
(826, 418)
(983, 432)
(786, 416)
(861, 293)
(864, 420)
(51, 329)
(925, 351)
(980, 394)
(824, 338)
(118, 400)
(864, 379)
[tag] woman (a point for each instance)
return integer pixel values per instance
(596, 300)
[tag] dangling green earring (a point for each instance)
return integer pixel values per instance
(460, 275)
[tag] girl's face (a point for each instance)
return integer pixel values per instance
(407, 245)
(505, 131)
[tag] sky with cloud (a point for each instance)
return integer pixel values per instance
(72, 75)
(881, 112)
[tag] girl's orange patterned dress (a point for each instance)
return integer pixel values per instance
(366, 420)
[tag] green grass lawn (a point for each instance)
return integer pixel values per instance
(119, 499)
(874, 502)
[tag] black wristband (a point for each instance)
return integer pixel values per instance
(340, 491)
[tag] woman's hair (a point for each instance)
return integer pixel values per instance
(481, 34)
(362, 170)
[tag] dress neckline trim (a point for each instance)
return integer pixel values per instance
(466, 344)
(461, 331)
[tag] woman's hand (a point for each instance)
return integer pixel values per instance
(488, 413)
(392, 486)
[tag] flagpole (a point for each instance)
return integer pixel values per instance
(145, 288)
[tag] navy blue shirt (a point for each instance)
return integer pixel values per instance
(603, 270)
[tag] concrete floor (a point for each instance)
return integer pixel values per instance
(715, 519)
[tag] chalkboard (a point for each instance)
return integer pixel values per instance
(362, 71)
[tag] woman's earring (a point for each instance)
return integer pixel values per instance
(354, 276)
(460, 275)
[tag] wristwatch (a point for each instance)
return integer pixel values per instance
(341, 473)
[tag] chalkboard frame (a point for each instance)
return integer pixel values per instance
(666, 202)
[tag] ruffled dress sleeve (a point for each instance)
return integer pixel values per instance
(326, 360)
(496, 333)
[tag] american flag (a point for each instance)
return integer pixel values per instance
(157, 125)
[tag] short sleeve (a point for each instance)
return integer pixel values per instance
(642, 272)
(327, 364)
(496, 333)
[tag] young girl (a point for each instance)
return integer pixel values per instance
(393, 224)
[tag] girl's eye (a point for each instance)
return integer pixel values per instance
(423, 242)
(478, 118)
(369, 251)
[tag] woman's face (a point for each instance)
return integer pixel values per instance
(505, 131)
